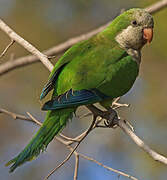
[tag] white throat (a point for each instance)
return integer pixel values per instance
(126, 40)
(136, 55)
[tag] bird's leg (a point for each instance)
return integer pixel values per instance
(112, 119)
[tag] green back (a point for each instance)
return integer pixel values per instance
(93, 63)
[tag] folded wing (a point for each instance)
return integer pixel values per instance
(74, 98)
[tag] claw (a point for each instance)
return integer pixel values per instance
(110, 124)
(106, 123)
(112, 118)
(116, 104)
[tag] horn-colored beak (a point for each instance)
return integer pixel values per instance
(148, 34)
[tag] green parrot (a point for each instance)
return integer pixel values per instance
(95, 70)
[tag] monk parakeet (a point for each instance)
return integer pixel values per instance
(95, 70)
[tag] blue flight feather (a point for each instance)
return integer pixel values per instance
(74, 98)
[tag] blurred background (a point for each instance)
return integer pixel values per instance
(45, 24)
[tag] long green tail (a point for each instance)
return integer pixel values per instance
(54, 122)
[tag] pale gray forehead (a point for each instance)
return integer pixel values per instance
(144, 18)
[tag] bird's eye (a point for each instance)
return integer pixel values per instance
(134, 22)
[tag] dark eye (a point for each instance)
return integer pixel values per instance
(134, 22)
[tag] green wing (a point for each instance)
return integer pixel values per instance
(69, 55)
(83, 66)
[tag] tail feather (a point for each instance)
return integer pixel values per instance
(55, 121)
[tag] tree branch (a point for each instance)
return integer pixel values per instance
(15, 116)
(106, 167)
(157, 7)
(6, 67)
(56, 50)
(68, 143)
(97, 112)
(128, 130)
(69, 156)
(95, 161)
(26, 45)
(157, 157)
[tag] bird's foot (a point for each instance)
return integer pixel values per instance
(116, 105)
(111, 118)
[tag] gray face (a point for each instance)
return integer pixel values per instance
(143, 19)
(132, 36)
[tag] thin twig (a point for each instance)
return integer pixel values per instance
(125, 127)
(34, 119)
(156, 156)
(68, 138)
(72, 151)
(122, 125)
(15, 115)
(78, 138)
(68, 157)
(56, 50)
(7, 47)
(70, 141)
(95, 161)
(76, 166)
(106, 167)
(26, 45)
(154, 8)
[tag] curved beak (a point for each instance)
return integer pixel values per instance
(148, 34)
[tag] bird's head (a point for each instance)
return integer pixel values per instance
(133, 28)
